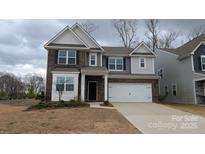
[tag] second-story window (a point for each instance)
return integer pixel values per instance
(67, 57)
(203, 62)
(61, 57)
(93, 59)
(116, 63)
(142, 63)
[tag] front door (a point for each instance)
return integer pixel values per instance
(92, 90)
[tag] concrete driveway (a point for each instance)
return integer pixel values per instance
(159, 119)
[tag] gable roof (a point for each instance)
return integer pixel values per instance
(137, 52)
(188, 48)
(86, 37)
(112, 51)
(74, 35)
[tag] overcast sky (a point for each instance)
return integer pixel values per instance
(21, 41)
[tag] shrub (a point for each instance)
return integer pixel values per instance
(41, 96)
(3, 96)
(162, 97)
(58, 104)
(106, 103)
(31, 93)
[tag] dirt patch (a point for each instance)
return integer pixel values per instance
(191, 108)
(13, 119)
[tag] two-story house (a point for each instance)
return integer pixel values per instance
(89, 72)
(183, 72)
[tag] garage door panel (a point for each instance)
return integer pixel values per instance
(130, 92)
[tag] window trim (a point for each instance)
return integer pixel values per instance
(140, 58)
(95, 54)
(61, 57)
(202, 56)
(173, 89)
(67, 57)
(120, 70)
(65, 83)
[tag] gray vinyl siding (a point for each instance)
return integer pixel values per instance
(87, 59)
(175, 72)
(197, 58)
(127, 67)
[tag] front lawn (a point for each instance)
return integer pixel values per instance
(14, 119)
(191, 108)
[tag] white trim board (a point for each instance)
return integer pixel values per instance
(77, 24)
(61, 32)
(142, 43)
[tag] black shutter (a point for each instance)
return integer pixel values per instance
(107, 62)
(124, 63)
(56, 56)
(77, 57)
(199, 63)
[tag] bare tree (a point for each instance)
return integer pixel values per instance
(195, 32)
(89, 26)
(152, 33)
(11, 86)
(167, 39)
(127, 31)
(36, 81)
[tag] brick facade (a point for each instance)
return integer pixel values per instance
(52, 64)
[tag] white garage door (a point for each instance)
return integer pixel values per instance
(130, 92)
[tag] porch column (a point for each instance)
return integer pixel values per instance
(105, 87)
(82, 87)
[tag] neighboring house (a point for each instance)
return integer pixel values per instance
(182, 72)
(89, 72)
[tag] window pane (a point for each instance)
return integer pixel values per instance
(60, 80)
(59, 87)
(203, 59)
(142, 64)
(71, 53)
(92, 62)
(69, 80)
(62, 53)
(62, 60)
(69, 87)
(71, 60)
(119, 61)
(119, 67)
(112, 61)
(174, 92)
(111, 66)
(142, 60)
(203, 66)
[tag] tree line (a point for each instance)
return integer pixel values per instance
(16, 87)
(155, 36)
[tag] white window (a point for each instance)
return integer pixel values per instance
(67, 57)
(142, 63)
(62, 57)
(64, 84)
(69, 84)
(203, 62)
(93, 59)
(174, 89)
(60, 81)
(115, 63)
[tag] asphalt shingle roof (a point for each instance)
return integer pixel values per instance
(186, 49)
